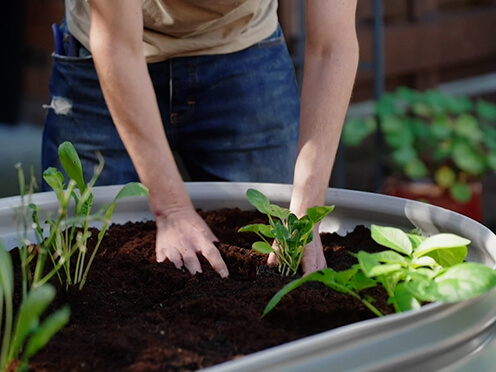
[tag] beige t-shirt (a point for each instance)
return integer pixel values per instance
(174, 28)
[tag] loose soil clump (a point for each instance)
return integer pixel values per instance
(135, 314)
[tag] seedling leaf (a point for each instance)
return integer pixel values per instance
(258, 200)
(71, 163)
(360, 281)
(29, 315)
(416, 239)
(424, 261)
(324, 276)
(55, 180)
(465, 281)
(258, 228)
(440, 241)
(372, 268)
(6, 271)
(316, 214)
(389, 257)
(392, 238)
(46, 331)
(262, 247)
(128, 190)
(447, 257)
(404, 299)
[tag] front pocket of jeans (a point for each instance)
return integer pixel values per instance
(72, 59)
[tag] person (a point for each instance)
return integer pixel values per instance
(212, 81)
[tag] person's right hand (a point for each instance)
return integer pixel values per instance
(181, 235)
(313, 255)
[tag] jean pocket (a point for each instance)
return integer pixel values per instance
(277, 38)
(84, 56)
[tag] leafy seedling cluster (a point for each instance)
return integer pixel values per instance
(24, 332)
(27, 331)
(415, 270)
(289, 234)
(69, 230)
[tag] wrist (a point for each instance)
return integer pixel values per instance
(164, 204)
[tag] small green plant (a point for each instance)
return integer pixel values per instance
(414, 270)
(27, 252)
(24, 334)
(289, 233)
(69, 231)
(449, 140)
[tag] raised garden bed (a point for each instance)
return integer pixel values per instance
(150, 326)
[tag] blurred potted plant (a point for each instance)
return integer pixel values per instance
(437, 147)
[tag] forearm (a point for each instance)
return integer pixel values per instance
(327, 86)
(131, 99)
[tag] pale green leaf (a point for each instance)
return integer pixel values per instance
(464, 281)
(392, 238)
(424, 261)
(440, 241)
(55, 180)
(278, 212)
(447, 257)
(389, 257)
(372, 268)
(258, 228)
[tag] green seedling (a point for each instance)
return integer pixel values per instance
(290, 235)
(69, 231)
(25, 335)
(26, 251)
(415, 270)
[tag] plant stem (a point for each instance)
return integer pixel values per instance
(371, 307)
(6, 342)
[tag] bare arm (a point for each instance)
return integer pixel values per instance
(331, 61)
(116, 44)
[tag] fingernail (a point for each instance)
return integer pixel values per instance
(223, 273)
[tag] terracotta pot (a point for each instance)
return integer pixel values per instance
(435, 195)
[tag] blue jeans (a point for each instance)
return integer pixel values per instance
(230, 117)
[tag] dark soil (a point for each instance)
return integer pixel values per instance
(137, 315)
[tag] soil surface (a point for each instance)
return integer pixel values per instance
(135, 314)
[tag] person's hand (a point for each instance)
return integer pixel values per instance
(183, 234)
(313, 255)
